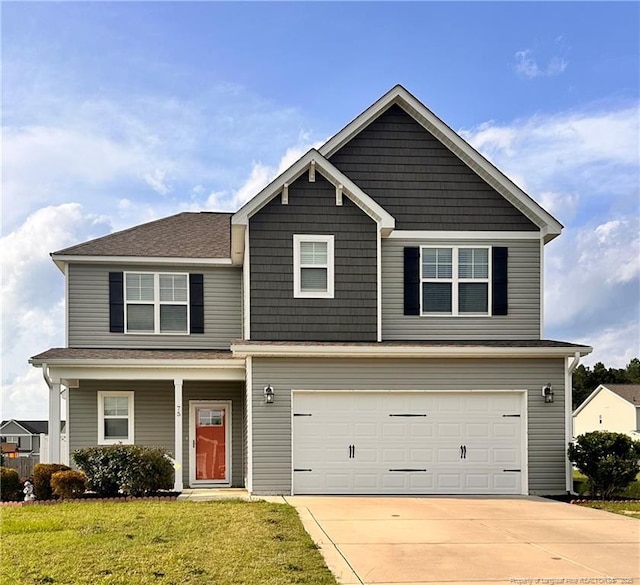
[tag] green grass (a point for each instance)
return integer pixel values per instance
(631, 509)
(208, 543)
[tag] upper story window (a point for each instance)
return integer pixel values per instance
(455, 280)
(313, 266)
(115, 418)
(156, 302)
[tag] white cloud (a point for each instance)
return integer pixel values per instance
(526, 65)
(585, 154)
(33, 299)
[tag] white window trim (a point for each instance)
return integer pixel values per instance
(156, 304)
(101, 438)
(455, 280)
(297, 292)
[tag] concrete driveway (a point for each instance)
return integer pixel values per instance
(477, 540)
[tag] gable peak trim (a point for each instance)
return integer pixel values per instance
(549, 226)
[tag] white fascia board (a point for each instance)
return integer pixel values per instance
(588, 399)
(462, 235)
(241, 350)
(120, 371)
(549, 225)
(332, 174)
(61, 260)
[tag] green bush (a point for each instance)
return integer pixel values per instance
(9, 485)
(128, 469)
(42, 473)
(68, 484)
(610, 461)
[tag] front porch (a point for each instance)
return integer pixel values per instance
(190, 402)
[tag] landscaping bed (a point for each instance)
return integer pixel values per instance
(140, 542)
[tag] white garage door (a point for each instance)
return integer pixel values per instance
(407, 443)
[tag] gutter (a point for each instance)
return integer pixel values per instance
(45, 374)
(568, 418)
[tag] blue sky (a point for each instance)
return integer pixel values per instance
(116, 113)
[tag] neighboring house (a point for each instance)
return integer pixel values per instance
(368, 323)
(610, 407)
(24, 438)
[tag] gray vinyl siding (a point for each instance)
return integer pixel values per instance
(89, 309)
(275, 314)
(421, 182)
(522, 321)
(271, 440)
(153, 415)
(12, 429)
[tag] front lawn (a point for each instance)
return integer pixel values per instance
(631, 509)
(208, 543)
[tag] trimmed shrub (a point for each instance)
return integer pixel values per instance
(42, 473)
(610, 461)
(128, 469)
(68, 484)
(9, 484)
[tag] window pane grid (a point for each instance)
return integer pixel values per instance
(157, 303)
(455, 281)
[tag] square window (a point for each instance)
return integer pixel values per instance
(455, 281)
(157, 303)
(436, 297)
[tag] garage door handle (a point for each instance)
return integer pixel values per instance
(407, 470)
(352, 451)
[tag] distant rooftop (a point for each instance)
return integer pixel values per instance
(630, 392)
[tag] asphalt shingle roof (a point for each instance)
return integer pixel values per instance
(630, 392)
(72, 353)
(185, 235)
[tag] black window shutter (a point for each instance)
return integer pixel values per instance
(499, 281)
(412, 281)
(116, 302)
(196, 302)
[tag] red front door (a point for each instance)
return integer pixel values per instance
(211, 442)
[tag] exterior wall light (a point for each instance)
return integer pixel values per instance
(268, 394)
(547, 393)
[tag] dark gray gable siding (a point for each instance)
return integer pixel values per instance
(421, 182)
(275, 313)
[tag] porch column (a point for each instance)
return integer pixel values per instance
(54, 422)
(177, 484)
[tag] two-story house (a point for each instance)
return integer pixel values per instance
(369, 323)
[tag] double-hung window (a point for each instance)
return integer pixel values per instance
(313, 266)
(115, 418)
(156, 302)
(455, 280)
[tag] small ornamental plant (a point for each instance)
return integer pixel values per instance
(609, 461)
(42, 473)
(68, 484)
(9, 484)
(125, 469)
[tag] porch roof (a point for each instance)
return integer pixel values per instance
(71, 364)
(57, 354)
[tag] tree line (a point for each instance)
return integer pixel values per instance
(586, 380)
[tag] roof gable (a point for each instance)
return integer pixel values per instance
(311, 162)
(399, 96)
(33, 427)
(203, 235)
(630, 393)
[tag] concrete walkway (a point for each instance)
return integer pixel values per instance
(472, 540)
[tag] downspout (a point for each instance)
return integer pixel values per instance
(568, 425)
(45, 375)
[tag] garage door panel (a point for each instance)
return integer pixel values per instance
(407, 443)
